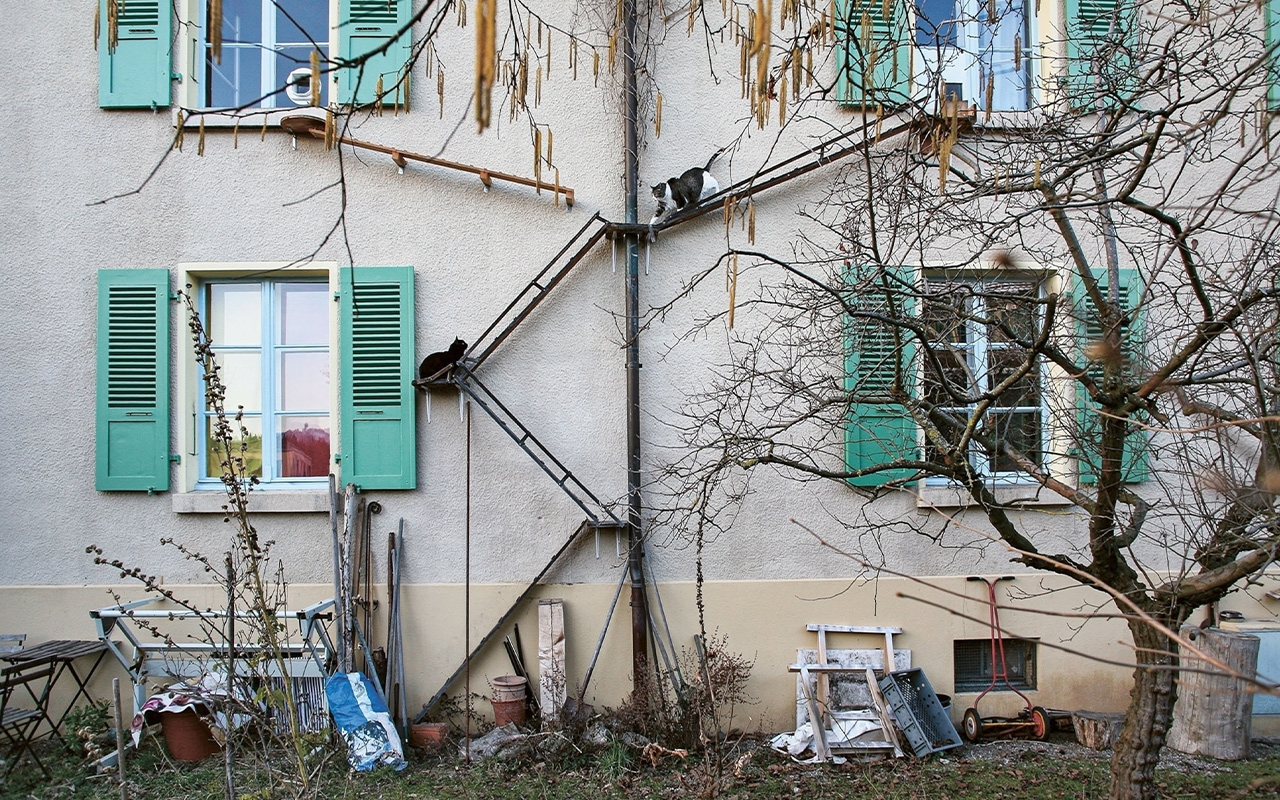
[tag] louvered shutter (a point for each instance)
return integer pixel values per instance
(873, 58)
(136, 72)
(379, 442)
(1101, 38)
(1088, 422)
(364, 26)
(132, 436)
(877, 355)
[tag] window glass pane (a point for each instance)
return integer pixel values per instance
(237, 81)
(241, 22)
(303, 447)
(311, 15)
(252, 444)
(934, 26)
(955, 374)
(944, 314)
(241, 375)
(304, 380)
(304, 313)
(1021, 430)
(235, 314)
(1026, 390)
(1014, 306)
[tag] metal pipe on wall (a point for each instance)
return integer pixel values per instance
(631, 183)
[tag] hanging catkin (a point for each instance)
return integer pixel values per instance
(991, 93)
(462, 12)
(486, 55)
(733, 290)
(1036, 180)
(1017, 52)
(200, 143)
(728, 215)
(595, 66)
(548, 54)
(113, 25)
(549, 140)
(795, 72)
(557, 188)
(315, 78)
(235, 135)
(657, 116)
(262, 134)
(215, 30)
(782, 103)
(377, 97)
(808, 68)
(537, 86)
(440, 90)
(177, 141)
(537, 155)
(613, 47)
(751, 221)
(405, 88)
(97, 25)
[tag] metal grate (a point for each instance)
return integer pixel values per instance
(973, 668)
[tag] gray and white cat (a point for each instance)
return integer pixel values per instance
(694, 186)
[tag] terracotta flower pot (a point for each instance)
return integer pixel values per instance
(187, 736)
(428, 735)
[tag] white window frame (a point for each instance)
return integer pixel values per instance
(1057, 391)
(194, 495)
(191, 49)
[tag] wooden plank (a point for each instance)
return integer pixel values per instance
(823, 683)
(820, 748)
(815, 627)
(886, 716)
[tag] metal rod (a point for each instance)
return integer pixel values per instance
(430, 704)
(540, 291)
(595, 656)
(315, 127)
(631, 183)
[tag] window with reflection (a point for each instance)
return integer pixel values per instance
(272, 344)
(973, 329)
(266, 54)
(977, 52)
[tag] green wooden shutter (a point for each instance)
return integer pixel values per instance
(365, 25)
(1272, 17)
(876, 355)
(379, 441)
(133, 381)
(1088, 423)
(136, 72)
(1101, 38)
(873, 64)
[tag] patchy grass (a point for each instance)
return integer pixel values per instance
(1023, 770)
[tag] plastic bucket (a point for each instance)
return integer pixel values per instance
(509, 687)
(505, 711)
(187, 736)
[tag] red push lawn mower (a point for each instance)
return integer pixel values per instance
(1032, 722)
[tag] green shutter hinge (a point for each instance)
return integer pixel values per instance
(176, 458)
(336, 296)
(337, 459)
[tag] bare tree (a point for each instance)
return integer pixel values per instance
(1081, 300)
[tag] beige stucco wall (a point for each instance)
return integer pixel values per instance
(762, 621)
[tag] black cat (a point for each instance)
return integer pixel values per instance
(437, 366)
(695, 185)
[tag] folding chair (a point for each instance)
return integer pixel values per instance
(18, 724)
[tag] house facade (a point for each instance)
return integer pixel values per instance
(166, 178)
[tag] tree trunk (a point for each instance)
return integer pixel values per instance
(1146, 723)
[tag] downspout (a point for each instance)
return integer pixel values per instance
(635, 533)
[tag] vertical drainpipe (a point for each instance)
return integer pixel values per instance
(635, 533)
